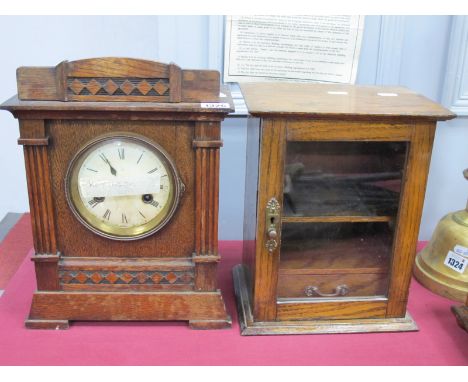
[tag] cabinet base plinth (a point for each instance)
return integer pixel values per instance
(249, 327)
(53, 310)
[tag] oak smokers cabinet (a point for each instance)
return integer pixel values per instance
(122, 162)
(335, 184)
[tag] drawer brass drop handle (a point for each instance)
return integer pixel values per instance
(340, 290)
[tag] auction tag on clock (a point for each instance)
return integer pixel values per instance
(214, 105)
(456, 262)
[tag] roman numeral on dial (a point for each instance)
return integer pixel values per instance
(95, 201)
(107, 214)
(154, 203)
(124, 219)
(138, 161)
(153, 170)
(121, 153)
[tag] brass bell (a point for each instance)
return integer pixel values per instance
(442, 266)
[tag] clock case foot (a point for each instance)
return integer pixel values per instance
(47, 324)
(54, 310)
(211, 324)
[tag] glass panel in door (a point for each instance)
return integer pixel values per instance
(339, 210)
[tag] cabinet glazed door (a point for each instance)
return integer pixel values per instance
(340, 205)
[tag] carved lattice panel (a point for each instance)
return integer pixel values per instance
(125, 277)
(114, 87)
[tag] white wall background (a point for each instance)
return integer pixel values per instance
(425, 53)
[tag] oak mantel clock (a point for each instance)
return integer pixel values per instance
(122, 162)
(330, 237)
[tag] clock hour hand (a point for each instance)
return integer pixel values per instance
(112, 169)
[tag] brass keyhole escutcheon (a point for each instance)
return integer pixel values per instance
(272, 223)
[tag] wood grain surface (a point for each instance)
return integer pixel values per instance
(176, 239)
(125, 306)
(308, 126)
(338, 100)
(409, 217)
(170, 275)
(270, 185)
(251, 327)
(117, 79)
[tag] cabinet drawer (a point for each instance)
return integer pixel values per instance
(339, 285)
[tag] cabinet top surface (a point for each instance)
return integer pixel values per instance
(339, 100)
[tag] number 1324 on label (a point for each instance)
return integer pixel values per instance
(456, 262)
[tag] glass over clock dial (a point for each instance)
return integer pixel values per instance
(123, 186)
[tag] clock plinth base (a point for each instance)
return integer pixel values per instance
(250, 327)
(53, 310)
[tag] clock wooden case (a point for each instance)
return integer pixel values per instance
(335, 182)
(122, 162)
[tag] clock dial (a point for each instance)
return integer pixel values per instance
(123, 187)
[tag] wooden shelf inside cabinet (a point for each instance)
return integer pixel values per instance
(324, 256)
(336, 219)
(343, 197)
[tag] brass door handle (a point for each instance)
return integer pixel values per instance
(340, 290)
